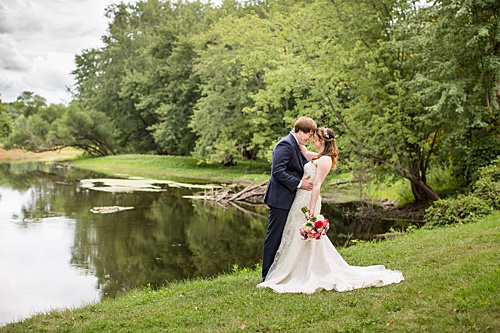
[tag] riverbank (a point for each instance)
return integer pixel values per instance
(189, 169)
(452, 284)
(182, 169)
(20, 155)
(177, 168)
(245, 173)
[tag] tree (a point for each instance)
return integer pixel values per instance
(5, 122)
(38, 127)
(30, 118)
(167, 87)
(101, 72)
(348, 74)
(370, 79)
(29, 103)
(462, 42)
(223, 128)
(89, 130)
(406, 87)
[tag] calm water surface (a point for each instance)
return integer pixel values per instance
(54, 252)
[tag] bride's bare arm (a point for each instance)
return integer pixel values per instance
(324, 165)
(308, 154)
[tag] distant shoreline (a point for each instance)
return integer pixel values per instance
(21, 155)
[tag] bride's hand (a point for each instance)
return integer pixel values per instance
(311, 212)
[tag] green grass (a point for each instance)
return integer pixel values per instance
(399, 189)
(176, 168)
(452, 285)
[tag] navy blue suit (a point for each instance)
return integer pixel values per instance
(286, 172)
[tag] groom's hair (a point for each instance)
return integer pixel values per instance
(304, 124)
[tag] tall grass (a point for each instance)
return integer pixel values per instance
(452, 284)
(399, 189)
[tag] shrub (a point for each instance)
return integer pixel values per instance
(467, 208)
(463, 209)
(487, 186)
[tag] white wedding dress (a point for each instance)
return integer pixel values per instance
(307, 266)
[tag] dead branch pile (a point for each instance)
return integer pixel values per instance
(250, 196)
(230, 194)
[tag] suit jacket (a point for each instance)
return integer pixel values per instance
(286, 172)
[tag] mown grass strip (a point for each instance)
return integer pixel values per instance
(175, 168)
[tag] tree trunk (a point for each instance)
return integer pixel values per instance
(418, 179)
(228, 161)
(421, 191)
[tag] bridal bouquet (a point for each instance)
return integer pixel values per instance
(315, 226)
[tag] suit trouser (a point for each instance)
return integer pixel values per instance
(276, 225)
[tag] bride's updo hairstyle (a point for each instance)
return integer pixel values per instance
(328, 137)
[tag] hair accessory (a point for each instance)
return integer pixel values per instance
(325, 133)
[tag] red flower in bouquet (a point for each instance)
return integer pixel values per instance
(318, 224)
(315, 226)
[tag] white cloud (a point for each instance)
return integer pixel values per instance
(39, 40)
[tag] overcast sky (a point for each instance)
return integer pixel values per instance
(39, 40)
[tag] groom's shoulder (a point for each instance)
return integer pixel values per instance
(287, 138)
(285, 141)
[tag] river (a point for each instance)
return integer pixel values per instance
(57, 249)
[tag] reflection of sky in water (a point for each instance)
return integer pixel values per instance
(35, 270)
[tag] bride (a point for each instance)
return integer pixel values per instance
(307, 266)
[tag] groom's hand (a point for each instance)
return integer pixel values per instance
(306, 183)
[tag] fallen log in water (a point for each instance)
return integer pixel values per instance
(230, 194)
(109, 209)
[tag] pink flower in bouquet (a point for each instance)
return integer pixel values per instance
(326, 225)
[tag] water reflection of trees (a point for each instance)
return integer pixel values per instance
(221, 237)
(346, 226)
(22, 176)
(170, 239)
(164, 238)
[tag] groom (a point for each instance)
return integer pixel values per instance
(286, 172)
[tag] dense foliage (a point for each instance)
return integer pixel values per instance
(406, 86)
(484, 199)
(487, 187)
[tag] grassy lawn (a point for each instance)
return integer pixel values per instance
(452, 285)
(189, 169)
(175, 168)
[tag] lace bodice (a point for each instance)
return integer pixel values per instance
(302, 197)
(310, 169)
